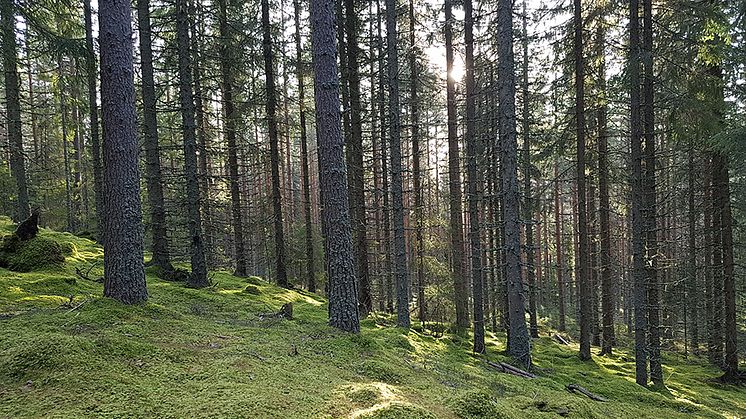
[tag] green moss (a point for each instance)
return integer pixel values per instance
(400, 411)
(32, 255)
(252, 290)
(106, 359)
(255, 280)
(476, 404)
(380, 371)
(365, 396)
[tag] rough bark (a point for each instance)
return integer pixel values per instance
(460, 284)
(124, 271)
(299, 73)
(473, 152)
(649, 185)
(607, 296)
(340, 265)
(528, 206)
(271, 109)
(355, 167)
(638, 226)
(150, 132)
(416, 171)
(729, 285)
(400, 251)
(519, 342)
(198, 277)
(584, 294)
(98, 181)
(226, 75)
(13, 107)
(558, 244)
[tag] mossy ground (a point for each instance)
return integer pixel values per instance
(211, 353)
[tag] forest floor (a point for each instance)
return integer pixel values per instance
(65, 351)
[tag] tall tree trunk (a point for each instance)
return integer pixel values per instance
(124, 273)
(198, 277)
(716, 333)
(161, 257)
(355, 160)
(558, 243)
(585, 294)
(400, 250)
(204, 168)
(416, 171)
(729, 285)
(460, 283)
(281, 274)
(389, 281)
(299, 72)
(692, 291)
(607, 291)
(651, 232)
(528, 207)
(13, 107)
(474, 152)
(343, 300)
(226, 70)
(638, 199)
(65, 148)
(519, 342)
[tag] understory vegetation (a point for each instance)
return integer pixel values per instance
(65, 351)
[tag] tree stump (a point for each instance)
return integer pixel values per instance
(28, 229)
(286, 311)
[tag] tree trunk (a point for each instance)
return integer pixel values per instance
(299, 72)
(355, 167)
(226, 70)
(416, 171)
(281, 274)
(558, 244)
(460, 283)
(519, 342)
(651, 243)
(13, 108)
(161, 257)
(198, 277)
(343, 300)
(528, 207)
(585, 294)
(729, 285)
(400, 251)
(124, 272)
(474, 152)
(692, 291)
(604, 206)
(636, 187)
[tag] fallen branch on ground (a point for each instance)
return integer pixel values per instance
(559, 338)
(509, 369)
(574, 388)
(85, 276)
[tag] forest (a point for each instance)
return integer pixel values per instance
(373, 209)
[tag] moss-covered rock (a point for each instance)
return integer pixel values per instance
(255, 280)
(251, 290)
(32, 255)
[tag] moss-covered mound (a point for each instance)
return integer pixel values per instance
(34, 254)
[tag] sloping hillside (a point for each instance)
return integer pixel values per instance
(67, 352)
